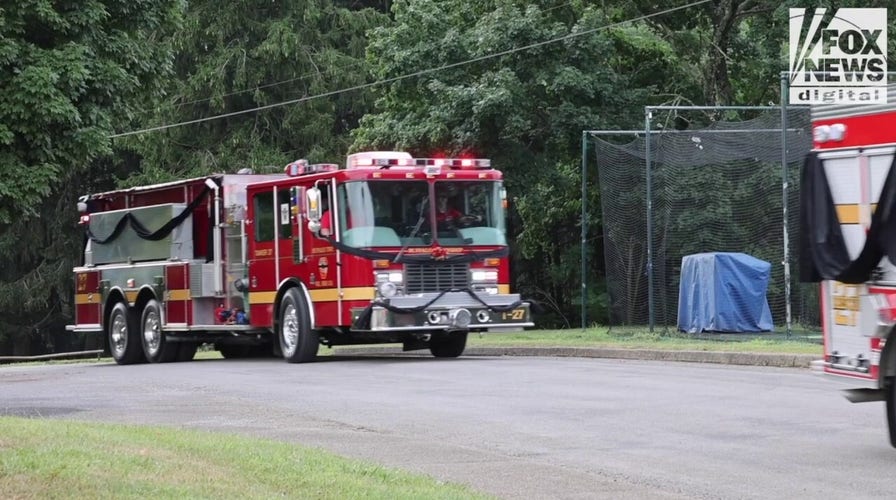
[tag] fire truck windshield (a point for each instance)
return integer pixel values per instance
(385, 213)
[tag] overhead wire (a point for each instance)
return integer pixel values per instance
(269, 85)
(308, 75)
(408, 75)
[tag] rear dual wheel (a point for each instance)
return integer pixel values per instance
(155, 346)
(124, 337)
(132, 341)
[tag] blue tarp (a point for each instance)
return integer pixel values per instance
(723, 292)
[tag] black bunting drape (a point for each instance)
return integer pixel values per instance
(142, 231)
(823, 253)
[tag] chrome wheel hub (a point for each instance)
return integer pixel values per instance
(152, 332)
(290, 330)
(119, 335)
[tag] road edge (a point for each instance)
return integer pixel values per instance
(715, 357)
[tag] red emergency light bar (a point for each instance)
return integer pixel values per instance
(301, 167)
(452, 163)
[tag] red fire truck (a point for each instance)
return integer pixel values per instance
(387, 249)
(848, 243)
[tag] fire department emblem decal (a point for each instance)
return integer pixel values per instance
(323, 266)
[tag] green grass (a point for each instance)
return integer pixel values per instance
(65, 459)
(641, 338)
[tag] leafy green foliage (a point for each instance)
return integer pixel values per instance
(69, 74)
(524, 109)
(251, 55)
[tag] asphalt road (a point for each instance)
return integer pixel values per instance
(516, 427)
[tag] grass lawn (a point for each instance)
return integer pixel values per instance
(799, 342)
(41, 458)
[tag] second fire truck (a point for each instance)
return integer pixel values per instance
(321, 254)
(848, 226)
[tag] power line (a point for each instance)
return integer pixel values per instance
(409, 75)
(273, 84)
(308, 75)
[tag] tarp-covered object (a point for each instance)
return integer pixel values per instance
(724, 292)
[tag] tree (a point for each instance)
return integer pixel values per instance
(251, 55)
(69, 74)
(525, 109)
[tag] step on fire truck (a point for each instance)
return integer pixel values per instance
(388, 249)
(848, 243)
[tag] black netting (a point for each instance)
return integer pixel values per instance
(716, 188)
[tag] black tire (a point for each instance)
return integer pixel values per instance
(890, 399)
(124, 336)
(275, 347)
(186, 351)
(263, 350)
(298, 342)
(244, 351)
(156, 347)
(450, 346)
(235, 351)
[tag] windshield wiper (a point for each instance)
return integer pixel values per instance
(420, 221)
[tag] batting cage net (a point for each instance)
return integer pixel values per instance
(714, 184)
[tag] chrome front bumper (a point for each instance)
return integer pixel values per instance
(450, 311)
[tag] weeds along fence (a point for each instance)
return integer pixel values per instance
(700, 179)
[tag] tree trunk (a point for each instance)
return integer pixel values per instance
(717, 85)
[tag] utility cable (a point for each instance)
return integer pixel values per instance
(308, 75)
(409, 75)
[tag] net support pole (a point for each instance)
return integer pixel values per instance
(584, 228)
(785, 180)
(649, 195)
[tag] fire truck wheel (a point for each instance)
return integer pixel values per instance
(298, 341)
(186, 351)
(156, 348)
(264, 350)
(890, 398)
(124, 342)
(450, 346)
(234, 351)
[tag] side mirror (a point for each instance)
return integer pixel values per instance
(312, 196)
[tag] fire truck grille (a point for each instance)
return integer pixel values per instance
(422, 278)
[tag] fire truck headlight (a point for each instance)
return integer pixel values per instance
(387, 289)
(484, 276)
(390, 276)
(389, 283)
(484, 280)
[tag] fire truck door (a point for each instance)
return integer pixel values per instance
(270, 235)
(320, 260)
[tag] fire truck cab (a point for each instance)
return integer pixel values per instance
(848, 244)
(385, 249)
